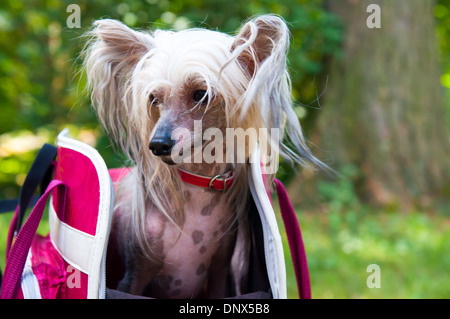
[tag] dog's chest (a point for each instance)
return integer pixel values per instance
(189, 256)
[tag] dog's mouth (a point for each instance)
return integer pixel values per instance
(173, 159)
(168, 160)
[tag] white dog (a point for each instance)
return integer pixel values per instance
(176, 236)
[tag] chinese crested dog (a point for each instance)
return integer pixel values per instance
(178, 239)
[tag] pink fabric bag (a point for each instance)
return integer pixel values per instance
(70, 262)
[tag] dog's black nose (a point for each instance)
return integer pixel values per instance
(161, 146)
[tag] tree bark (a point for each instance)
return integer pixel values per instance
(383, 111)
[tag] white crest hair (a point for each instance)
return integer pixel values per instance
(248, 71)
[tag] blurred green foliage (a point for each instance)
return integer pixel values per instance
(41, 90)
(442, 14)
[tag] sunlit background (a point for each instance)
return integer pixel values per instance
(344, 228)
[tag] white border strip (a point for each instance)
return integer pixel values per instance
(273, 246)
(72, 244)
(30, 285)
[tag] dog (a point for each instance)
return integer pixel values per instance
(179, 240)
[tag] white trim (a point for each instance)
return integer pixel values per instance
(72, 244)
(273, 246)
(29, 283)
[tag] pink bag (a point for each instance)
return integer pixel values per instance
(70, 262)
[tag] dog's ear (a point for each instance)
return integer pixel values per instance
(120, 42)
(259, 39)
(111, 54)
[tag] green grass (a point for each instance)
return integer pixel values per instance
(412, 250)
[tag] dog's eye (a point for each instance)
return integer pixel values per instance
(200, 96)
(153, 100)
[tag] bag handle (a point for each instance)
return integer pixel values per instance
(40, 173)
(19, 250)
(295, 240)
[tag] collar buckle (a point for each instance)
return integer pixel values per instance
(211, 182)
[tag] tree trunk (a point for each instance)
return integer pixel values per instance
(383, 111)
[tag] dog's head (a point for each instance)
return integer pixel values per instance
(147, 86)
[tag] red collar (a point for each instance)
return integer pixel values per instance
(220, 182)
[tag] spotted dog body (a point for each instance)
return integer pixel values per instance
(183, 266)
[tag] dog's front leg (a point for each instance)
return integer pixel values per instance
(140, 274)
(139, 271)
(127, 284)
(219, 278)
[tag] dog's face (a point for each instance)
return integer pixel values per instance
(147, 85)
(180, 107)
(179, 77)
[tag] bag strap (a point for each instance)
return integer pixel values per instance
(19, 250)
(9, 205)
(295, 240)
(40, 173)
